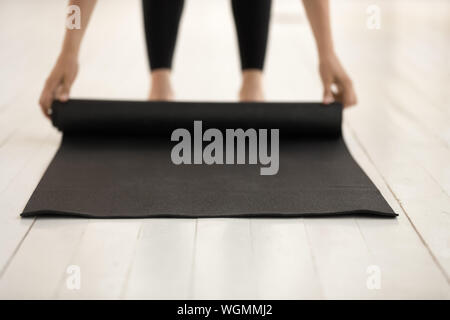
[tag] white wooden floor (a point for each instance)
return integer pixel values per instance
(399, 133)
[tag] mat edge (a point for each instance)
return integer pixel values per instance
(56, 213)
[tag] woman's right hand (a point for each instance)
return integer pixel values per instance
(59, 82)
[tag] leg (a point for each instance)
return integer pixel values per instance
(161, 21)
(252, 26)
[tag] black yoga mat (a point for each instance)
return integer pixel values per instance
(115, 162)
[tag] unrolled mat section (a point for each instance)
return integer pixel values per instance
(123, 159)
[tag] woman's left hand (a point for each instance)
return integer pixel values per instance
(337, 85)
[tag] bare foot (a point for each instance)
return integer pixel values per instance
(161, 89)
(252, 86)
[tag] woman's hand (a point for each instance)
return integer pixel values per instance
(59, 82)
(337, 85)
(64, 72)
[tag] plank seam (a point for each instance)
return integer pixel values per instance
(314, 261)
(8, 262)
(124, 288)
(191, 292)
(438, 264)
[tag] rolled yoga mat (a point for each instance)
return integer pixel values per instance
(115, 161)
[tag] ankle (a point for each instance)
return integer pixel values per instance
(252, 77)
(161, 75)
(252, 85)
(161, 87)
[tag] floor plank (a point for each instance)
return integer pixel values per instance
(103, 257)
(223, 265)
(284, 263)
(162, 266)
(39, 267)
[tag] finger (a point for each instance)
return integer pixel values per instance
(327, 92)
(64, 91)
(59, 94)
(349, 95)
(47, 92)
(44, 108)
(345, 94)
(337, 96)
(47, 95)
(43, 101)
(328, 96)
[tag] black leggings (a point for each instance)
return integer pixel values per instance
(162, 17)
